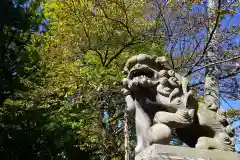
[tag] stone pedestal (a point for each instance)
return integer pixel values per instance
(166, 152)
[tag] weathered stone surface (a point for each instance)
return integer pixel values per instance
(166, 152)
(163, 103)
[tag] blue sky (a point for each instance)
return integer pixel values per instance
(233, 103)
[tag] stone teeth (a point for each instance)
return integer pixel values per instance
(149, 82)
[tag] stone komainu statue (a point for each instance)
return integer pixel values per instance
(164, 105)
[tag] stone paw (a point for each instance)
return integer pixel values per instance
(209, 143)
(160, 134)
(203, 143)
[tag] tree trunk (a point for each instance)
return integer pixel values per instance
(211, 85)
(126, 137)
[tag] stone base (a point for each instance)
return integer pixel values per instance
(166, 152)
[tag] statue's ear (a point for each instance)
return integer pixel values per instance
(161, 60)
(184, 81)
(190, 101)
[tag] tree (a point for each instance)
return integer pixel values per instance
(17, 25)
(60, 89)
(195, 46)
(76, 85)
(21, 123)
(95, 35)
(189, 38)
(28, 126)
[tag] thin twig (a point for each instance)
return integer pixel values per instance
(211, 64)
(220, 78)
(73, 8)
(115, 20)
(99, 54)
(119, 52)
(171, 51)
(209, 40)
(189, 59)
(164, 21)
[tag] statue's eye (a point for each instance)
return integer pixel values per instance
(178, 101)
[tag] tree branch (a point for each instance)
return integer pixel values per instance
(190, 58)
(164, 21)
(99, 54)
(73, 8)
(115, 20)
(211, 64)
(220, 78)
(209, 40)
(115, 117)
(171, 51)
(119, 52)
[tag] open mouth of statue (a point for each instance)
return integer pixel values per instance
(142, 73)
(142, 76)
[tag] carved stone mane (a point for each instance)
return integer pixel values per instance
(163, 104)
